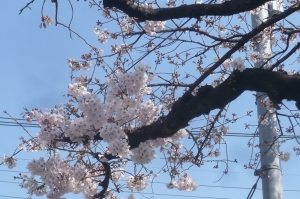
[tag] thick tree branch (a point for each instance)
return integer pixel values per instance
(277, 85)
(185, 11)
(105, 182)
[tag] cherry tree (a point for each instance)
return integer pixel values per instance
(142, 100)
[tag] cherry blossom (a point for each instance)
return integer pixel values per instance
(185, 183)
(238, 64)
(138, 182)
(142, 85)
(11, 162)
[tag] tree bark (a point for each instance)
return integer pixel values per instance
(185, 11)
(278, 86)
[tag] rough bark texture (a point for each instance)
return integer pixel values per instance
(278, 85)
(189, 11)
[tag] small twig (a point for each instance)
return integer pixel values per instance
(42, 10)
(27, 6)
(93, 48)
(207, 136)
(56, 10)
(296, 47)
(71, 17)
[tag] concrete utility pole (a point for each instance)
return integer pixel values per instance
(269, 150)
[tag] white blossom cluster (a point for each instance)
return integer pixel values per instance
(238, 64)
(77, 89)
(59, 178)
(144, 153)
(111, 131)
(11, 162)
(179, 135)
(119, 148)
(127, 24)
(50, 124)
(182, 133)
(198, 2)
(218, 135)
(76, 65)
(117, 175)
(123, 49)
(124, 105)
(151, 27)
(184, 183)
(103, 35)
(138, 182)
(131, 196)
(125, 95)
(227, 63)
(146, 5)
(214, 153)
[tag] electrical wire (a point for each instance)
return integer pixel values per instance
(244, 135)
(18, 124)
(230, 134)
(174, 195)
(143, 194)
(201, 185)
(204, 170)
(9, 182)
(11, 197)
(8, 118)
(4, 123)
(13, 171)
(184, 196)
(13, 123)
(153, 167)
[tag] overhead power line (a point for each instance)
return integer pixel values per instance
(14, 123)
(246, 135)
(230, 134)
(184, 196)
(11, 197)
(8, 118)
(21, 121)
(201, 185)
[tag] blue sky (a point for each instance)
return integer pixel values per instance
(35, 74)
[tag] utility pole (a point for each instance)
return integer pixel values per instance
(270, 170)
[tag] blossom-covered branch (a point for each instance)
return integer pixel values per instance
(278, 86)
(125, 111)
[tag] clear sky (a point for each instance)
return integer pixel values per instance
(35, 74)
